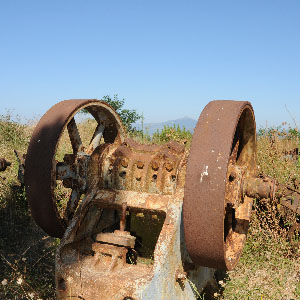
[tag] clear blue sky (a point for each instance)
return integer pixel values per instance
(166, 58)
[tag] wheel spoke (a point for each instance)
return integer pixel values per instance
(234, 153)
(72, 205)
(96, 138)
(74, 137)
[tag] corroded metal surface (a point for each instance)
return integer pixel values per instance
(126, 240)
(40, 172)
(291, 154)
(143, 168)
(289, 206)
(291, 200)
(223, 153)
(260, 188)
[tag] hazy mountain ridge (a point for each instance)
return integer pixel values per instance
(186, 122)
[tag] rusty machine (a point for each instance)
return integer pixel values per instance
(144, 221)
(289, 208)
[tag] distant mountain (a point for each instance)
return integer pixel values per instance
(187, 123)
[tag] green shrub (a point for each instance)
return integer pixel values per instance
(174, 133)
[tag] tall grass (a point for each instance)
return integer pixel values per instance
(269, 268)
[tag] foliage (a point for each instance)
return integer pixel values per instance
(12, 132)
(294, 133)
(174, 133)
(128, 117)
(280, 131)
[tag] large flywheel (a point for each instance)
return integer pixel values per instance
(220, 178)
(43, 170)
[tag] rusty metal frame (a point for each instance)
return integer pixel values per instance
(172, 275)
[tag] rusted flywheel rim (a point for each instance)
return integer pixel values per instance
(224, 127)
(40, 173)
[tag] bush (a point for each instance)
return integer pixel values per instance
(174, 133)
(128, 116)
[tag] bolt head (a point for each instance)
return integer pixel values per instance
(169, 166)
(140, 164)
(124, 162)
(155, 165)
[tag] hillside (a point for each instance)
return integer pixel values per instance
(186, 122)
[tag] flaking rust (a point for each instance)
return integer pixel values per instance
(144, 221)
(126, 242)
(289, 204)
(221, 183)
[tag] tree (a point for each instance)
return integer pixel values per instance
(128, 117)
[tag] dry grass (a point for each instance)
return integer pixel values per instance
(26, 252)
(269, 267)
(271, 158)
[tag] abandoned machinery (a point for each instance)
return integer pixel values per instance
(289, 207)
(144, 221)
